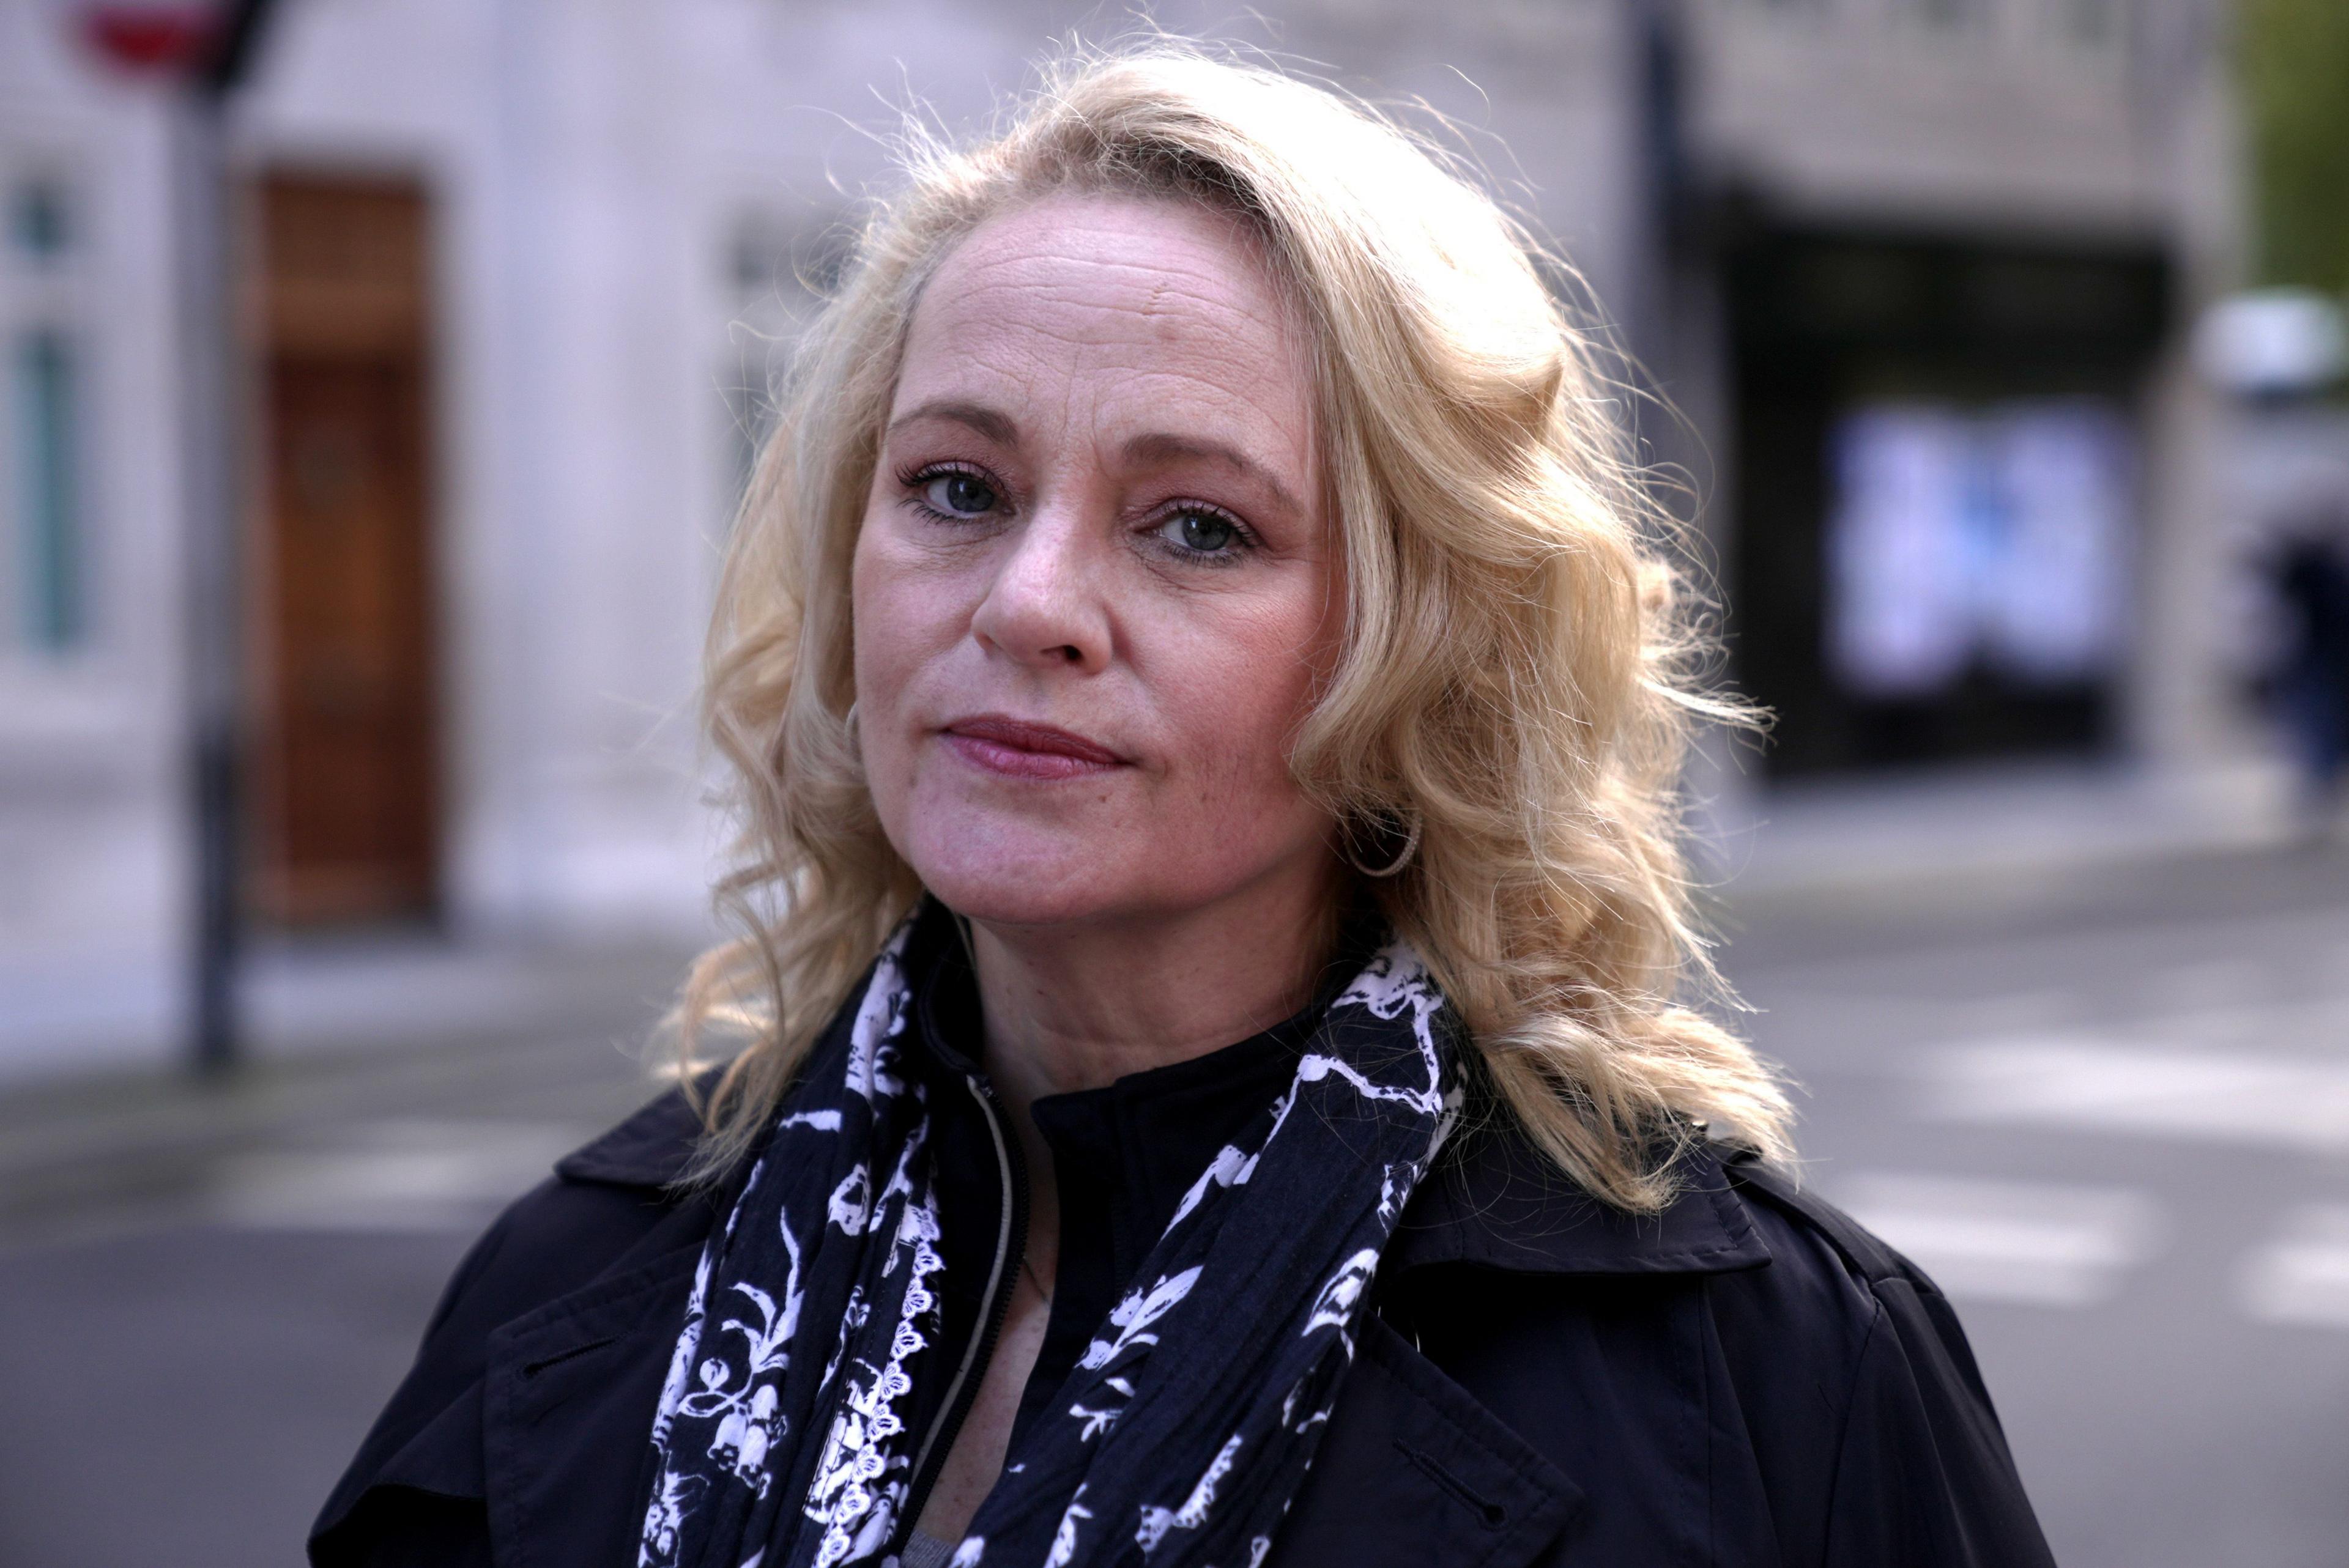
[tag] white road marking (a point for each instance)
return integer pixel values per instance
(2207, 984)
(2007, 1240)
(2075, 1081)
(411, 1175)
(2302, 1275)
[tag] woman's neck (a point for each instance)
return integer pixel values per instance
(1075, 1007)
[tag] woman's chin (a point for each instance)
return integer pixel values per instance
(1023, 879)
(1014, 898)
(1086, 868)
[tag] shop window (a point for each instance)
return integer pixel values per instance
(2087, 23)
(1992, 541)
(48, 608)
(42, 398)
(779, 268)
(38, 223)
(1948, 16)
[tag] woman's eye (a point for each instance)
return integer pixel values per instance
(1201, 532)
(960, 494)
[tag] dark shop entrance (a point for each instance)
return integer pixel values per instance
(1937, 491)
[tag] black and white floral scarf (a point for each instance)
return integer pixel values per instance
(782, 1438)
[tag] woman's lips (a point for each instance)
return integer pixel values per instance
(1020, 749)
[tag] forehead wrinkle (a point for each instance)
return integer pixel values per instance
(1208, 352)
(1199, 319)
(1189, 269)
(1193, 371)
(1185, 332)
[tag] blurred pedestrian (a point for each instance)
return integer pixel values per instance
(2308, 574)
(1210, 719)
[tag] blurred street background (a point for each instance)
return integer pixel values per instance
(379, 376)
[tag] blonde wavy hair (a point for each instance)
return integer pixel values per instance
(1520, 666)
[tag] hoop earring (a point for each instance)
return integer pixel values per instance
(1393, 867)
(848, 719)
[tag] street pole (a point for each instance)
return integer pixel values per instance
(212, 394)
(213, 559)
(1656, 67)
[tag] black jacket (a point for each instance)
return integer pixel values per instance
(1748, 1378)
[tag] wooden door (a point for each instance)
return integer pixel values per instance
(347, 797)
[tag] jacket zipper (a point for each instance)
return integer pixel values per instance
(1011, 1242)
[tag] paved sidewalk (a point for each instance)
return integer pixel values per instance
(2013, 824)
(402, 1087)
(207, 1289)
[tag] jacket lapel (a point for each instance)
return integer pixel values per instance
(1413, 1469)
(1419, 1468)
(564, 1405)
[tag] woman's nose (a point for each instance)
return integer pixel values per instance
(1044, 607)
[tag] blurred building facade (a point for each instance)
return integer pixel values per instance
(1916, 272)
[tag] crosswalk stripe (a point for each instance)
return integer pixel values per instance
(2228, 1097)
(2302, 1275)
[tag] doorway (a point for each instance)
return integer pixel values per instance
(348, 799)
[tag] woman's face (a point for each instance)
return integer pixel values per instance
(1094, 590)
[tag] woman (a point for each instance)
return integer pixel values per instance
(1194, 625)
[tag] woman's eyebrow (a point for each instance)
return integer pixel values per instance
(991, 423)
(1160, 447)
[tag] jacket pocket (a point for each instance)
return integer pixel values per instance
(1415, 1471)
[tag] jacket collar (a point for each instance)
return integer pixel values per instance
(1492, 1202)
(1495, 1201)
(651, 1149)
